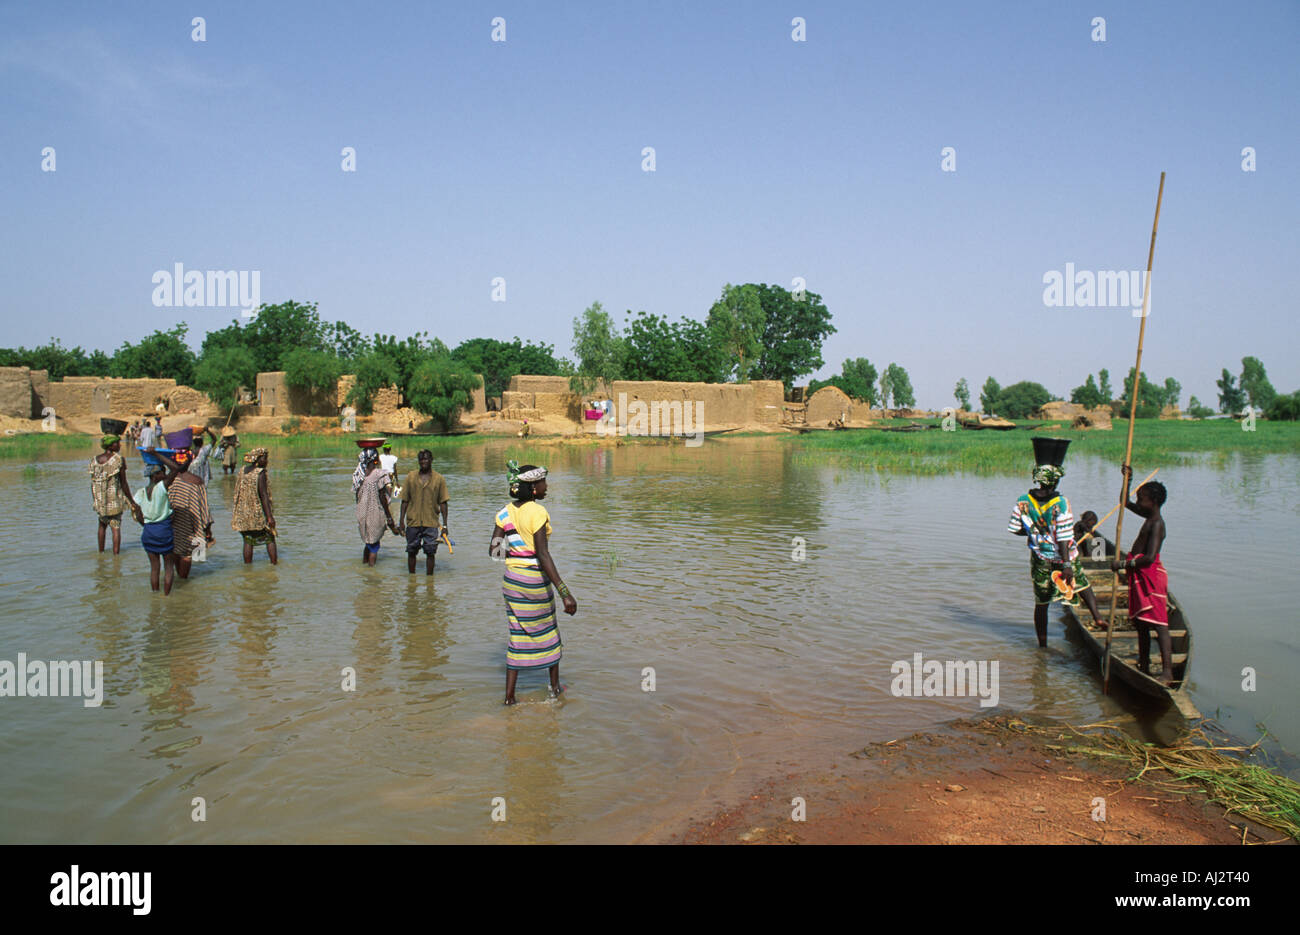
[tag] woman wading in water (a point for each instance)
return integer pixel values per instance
(522, 533)
(253, 516)
(153, 510)
(372, 506)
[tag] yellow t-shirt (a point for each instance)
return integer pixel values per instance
(521, 525)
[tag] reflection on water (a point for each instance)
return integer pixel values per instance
(682, 560)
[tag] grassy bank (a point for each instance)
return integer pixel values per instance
(1155, 443)
(41, 446)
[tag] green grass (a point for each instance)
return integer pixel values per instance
(1155, 443)
(39, 446)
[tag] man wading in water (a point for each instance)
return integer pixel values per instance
(425, 493)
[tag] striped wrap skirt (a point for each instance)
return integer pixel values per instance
(530, 611)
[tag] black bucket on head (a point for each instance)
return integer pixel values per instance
(1049, 450)
(112, 426)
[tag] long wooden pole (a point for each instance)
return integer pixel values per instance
(1134, 391)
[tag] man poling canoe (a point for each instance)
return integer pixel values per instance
(1043, 516)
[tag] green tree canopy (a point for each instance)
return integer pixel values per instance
(658, 349)
(1173, 389)
(1104, 387)
(857, 378)
(1151, 398)
(1088, 394)
(989, 395)
(794, 328)
(221, 372)
(442, 387)
(961, 392)
(737, 322)
(60, 361)
(1284, 407)
(374, 371)
(314, 371)
(498, 361)
(1254, 383)
(1196, 410)
(1231, 398)
(160, 355)
(600, 350)
(1020, 400)
(900, 387)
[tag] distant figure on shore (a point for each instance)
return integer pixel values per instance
(109, 490)
(525, 430)
(153, 510)
(252, 516)
(1148, 583)
(229, 458)
(191, 518)
(146, 439)
(201, 462)
(372, 507)
(424, 495)
(522, 532)
(1043, 515)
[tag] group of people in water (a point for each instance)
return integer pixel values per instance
(1043, 516)
(176, 523)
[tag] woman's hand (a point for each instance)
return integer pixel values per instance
(570, 605)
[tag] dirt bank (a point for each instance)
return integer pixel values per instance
(974, 783)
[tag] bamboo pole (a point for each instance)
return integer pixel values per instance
(1112, 510)
(1134, 391)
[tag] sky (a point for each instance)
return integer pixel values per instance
(775, 158)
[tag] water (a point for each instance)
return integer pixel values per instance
(681, 561)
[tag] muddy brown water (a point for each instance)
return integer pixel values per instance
(682, 560)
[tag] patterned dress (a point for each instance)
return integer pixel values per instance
(247, 517)
(106, 490)
(1049, 527)
(534, 639)
(371, 518)
(190, 516)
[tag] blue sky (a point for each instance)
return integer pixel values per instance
(774, 159)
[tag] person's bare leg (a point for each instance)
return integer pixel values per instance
(512, 676)
(1166, 654)
(1040, 623)
(1090, 600)
(117, 540)
(183, 566)
(169, 560)
(272, 552)
(410, 563)
(1144, 646)
(153, 572)
(428, 564)
(555, 679)
(248, 552)
(365, 554)
(100, 534)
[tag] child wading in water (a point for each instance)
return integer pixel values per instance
(522, 533)
(1148, 584)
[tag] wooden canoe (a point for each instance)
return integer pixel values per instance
(1124, 643)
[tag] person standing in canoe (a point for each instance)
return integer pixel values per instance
(252, 515)
(153, 510)
(521, 532)
(109, 491)
(373, 515)
(1148, 583)
(1043, 516)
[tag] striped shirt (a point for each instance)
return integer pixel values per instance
(1049, 525)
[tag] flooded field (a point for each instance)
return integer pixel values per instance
(768, 589)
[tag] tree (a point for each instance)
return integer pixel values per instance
(886, 390)
(58, 360)
(346, 342)
(1173, 389)
(1196, 410)
(1254, 383)
(737, 322)
(961, 392)
(279, 329)
(442, 387)
(900, 385)
(794, 328)
(1107, 394)
(859, 377)
(680, 351)
(221, 372)
(1284, 407)
(1087, 395)
(374, 371)
(599, 348)
(1020, 400)
(1151, 397)
(498, 361)
(989, 395)
(317, 372)
(160, 355)
(1231, 398)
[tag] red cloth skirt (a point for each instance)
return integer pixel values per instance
(1148, 593)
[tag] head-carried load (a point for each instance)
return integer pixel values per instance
(1049, 456)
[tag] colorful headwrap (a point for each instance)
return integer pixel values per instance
(253, 455)
(182, 456)
(527, 477)
(108, 441)
(1048, 474)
